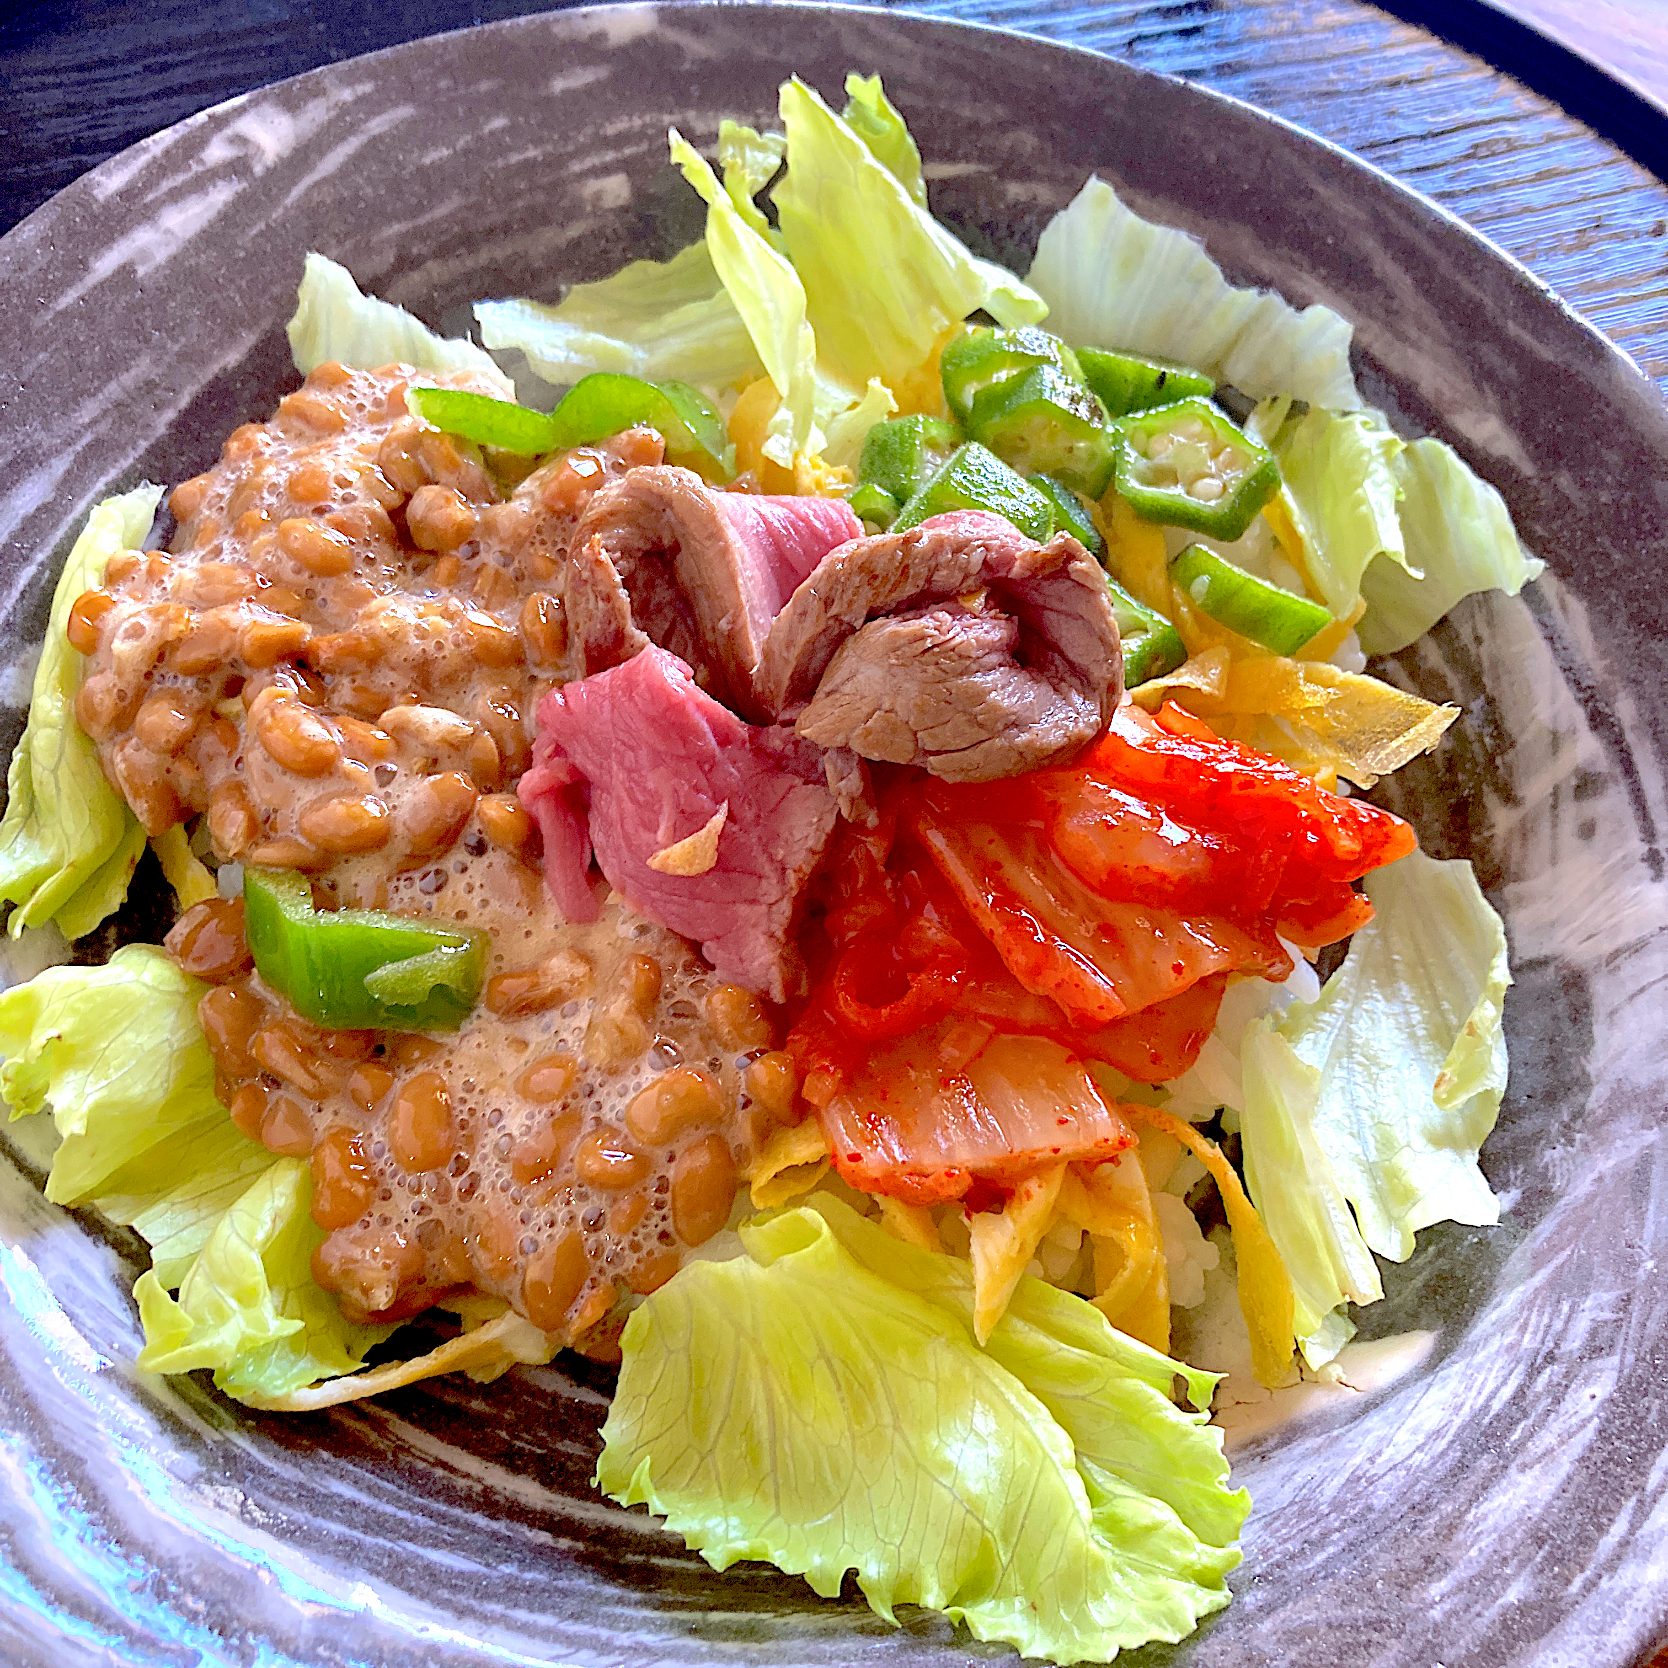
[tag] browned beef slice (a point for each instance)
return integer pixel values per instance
(660, 556)
(959, 645)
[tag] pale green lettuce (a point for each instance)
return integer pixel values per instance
(1291, 1180)
(334, 320)
(838, 305)
(68, 842)
(1381, 1091)
(1459, 538)
(770, 298)
(1338, 484)
(666, 319)
(1408, 1041)
(115, 1053)
(1114, 280)
(248, 1306)
(1407, 526)
(871, 115)
(883, 280)
(748, 160)
(821, 1403)
(845, 425)
(173, 1194)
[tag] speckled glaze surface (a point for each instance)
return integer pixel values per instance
(1505, 1504)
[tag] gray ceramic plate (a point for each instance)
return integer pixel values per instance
(1508, 1503)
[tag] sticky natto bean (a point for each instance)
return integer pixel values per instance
(297, 738)
(207, 941)
(607, 1159)
(433, 812)
(422, 1133)
(347, 823)
(319, 549)
(703, 1189)
(551, 1282)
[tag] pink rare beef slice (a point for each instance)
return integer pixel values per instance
(661, 557)
(634, 760)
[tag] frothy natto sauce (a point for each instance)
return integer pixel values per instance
(335, 666)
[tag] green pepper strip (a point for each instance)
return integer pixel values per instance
(1270, 616)
(898, 455)
(973, 362)
(359, 969)
(1151, 645)
(598, 406)
(1126, 383)
(1070, 516)
(479, 417)
(1044, 423)
(976, 479)
(1188, 466)
(606, 402)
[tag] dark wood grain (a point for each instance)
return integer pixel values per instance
(81, 80)
(1586, 219)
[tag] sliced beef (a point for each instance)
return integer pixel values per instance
(641, 758)
(848, 780)
(960, 645)
(553, 791)
(659, 556)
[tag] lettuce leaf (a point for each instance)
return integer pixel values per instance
(1375, 1098)
(871, 115)
(1339, 489)
(68, 842)
(1411, 1055)
(175, 1193)
(845, 425)
(334, 320)
(248, 1306)
(115, 1053)
(821, 1403)
(1459, 539)
(1289, 1175)
(749, 160)
(1114, 280)
(883, 280)
(666, 319)
(770, 298)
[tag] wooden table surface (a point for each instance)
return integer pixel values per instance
(82, 79)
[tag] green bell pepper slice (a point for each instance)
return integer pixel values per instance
(976, 479)
(1188, 466)
(1044, 423)
(1269, 615)
(359, 969)
(607, 402)
(973, 362)
(1151, 645)
(597, 407)
(1070, 515)
(1125, 383)
(483, 419)
(898, 455)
